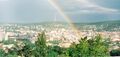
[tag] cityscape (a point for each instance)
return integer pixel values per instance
(59, 28)
(61, 32)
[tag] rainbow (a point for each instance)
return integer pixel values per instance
(67, 18)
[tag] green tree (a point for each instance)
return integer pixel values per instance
(27, 49)
(2, 53)
(51, 52)
(98, 48)
(94, 47)
(40, 46)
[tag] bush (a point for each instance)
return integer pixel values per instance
(2, 53)
(115, 53)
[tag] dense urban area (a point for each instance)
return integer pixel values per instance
(60, 35)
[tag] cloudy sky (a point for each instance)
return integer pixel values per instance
(31, 11)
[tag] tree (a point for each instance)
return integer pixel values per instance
(40, 46)
(27, 49)
(98, 47)
(51, 52)
(2, 53)
(94, 47)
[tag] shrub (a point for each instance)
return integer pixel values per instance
(115, 53)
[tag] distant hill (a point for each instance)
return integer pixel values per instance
(108, 22)
(100, 26)
(103, 22)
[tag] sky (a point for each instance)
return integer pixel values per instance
(32, 11)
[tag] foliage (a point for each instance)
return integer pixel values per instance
(55, 42)
(8, 42)
(89, 47)
(51, 52)
(10, 54)
(26, 50)
(2, 53)
(115, 53)
(40, 46)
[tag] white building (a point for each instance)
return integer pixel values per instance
(2, 35)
